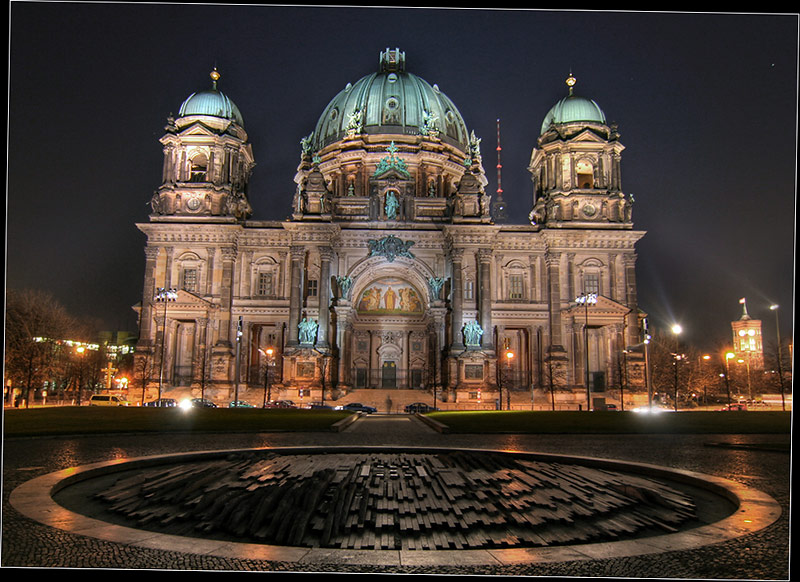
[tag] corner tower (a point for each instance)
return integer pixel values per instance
(207, 161)
(575, 168)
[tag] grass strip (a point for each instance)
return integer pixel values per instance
(574, 422)
(96, 420)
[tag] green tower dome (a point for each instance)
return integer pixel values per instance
(573, 109)
(391, 101)
(211, 102)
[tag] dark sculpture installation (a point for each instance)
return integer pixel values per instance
(457, 499)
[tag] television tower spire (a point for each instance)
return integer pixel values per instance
(499, 205)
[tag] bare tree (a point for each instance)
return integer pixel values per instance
(35, 325)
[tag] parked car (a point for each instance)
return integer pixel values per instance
(319, 406)
(107, 400)
(280, 404)
(420, 407)
(358, 407)
(163, 403)
(735, 406)
(240, 404)
(202, 403)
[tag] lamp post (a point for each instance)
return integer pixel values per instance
(163, 296)
(81, 351)
(509, 357)
(707, 358)
(585, 299)
(267, 386)
(647, 375)
(780, 358)
(728, 357)
(676, 330)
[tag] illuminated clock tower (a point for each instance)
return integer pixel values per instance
(747, 341)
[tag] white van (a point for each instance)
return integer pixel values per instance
(107, 400)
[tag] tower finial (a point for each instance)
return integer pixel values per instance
(571, 80)
(214, 78)
(745, 315)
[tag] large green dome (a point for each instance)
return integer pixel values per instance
(391, 101)
(211, 102)
(572, 109)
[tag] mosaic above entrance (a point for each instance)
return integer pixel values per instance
(389, 295)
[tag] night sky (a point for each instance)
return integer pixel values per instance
(706, 106)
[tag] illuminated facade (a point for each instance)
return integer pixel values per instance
(748, 344)
(391, 272)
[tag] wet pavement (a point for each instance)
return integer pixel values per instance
(762, 555)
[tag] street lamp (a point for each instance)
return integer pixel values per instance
(780, 358)
(676, 330)
(707, 358)
(163, 296)
(267, 386)
(585, 299)
(728, 358)
(80, 350)
(509, 357)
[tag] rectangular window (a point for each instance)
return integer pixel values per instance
(515, 287)
(265, 284)
(312, 287)
(469, 290)
(591, 283)
(190, 280)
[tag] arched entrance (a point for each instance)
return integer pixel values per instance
(390, 342)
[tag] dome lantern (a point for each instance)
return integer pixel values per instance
(573, 109)
(211, 102)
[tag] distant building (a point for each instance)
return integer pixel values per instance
(748, 344)
(390, 272)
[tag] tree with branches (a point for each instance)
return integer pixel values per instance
(36, 324)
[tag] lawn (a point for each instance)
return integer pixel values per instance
(527, 422)
(97, 420)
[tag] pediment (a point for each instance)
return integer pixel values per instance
(392, 174)
(198, 128)
(605, 307)
(187, 299)
(587, 135)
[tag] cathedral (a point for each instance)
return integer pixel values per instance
(393, 270)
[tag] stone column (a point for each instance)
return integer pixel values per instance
(148, 291)
(457, 256)
(298, 255)
(554, 300)
(325, 255)
(226, 295)
(485, 298)
(631, 301)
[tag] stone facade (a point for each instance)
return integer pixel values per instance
(391, 272)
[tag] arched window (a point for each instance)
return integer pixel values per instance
(585, 174)
(198, 168)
